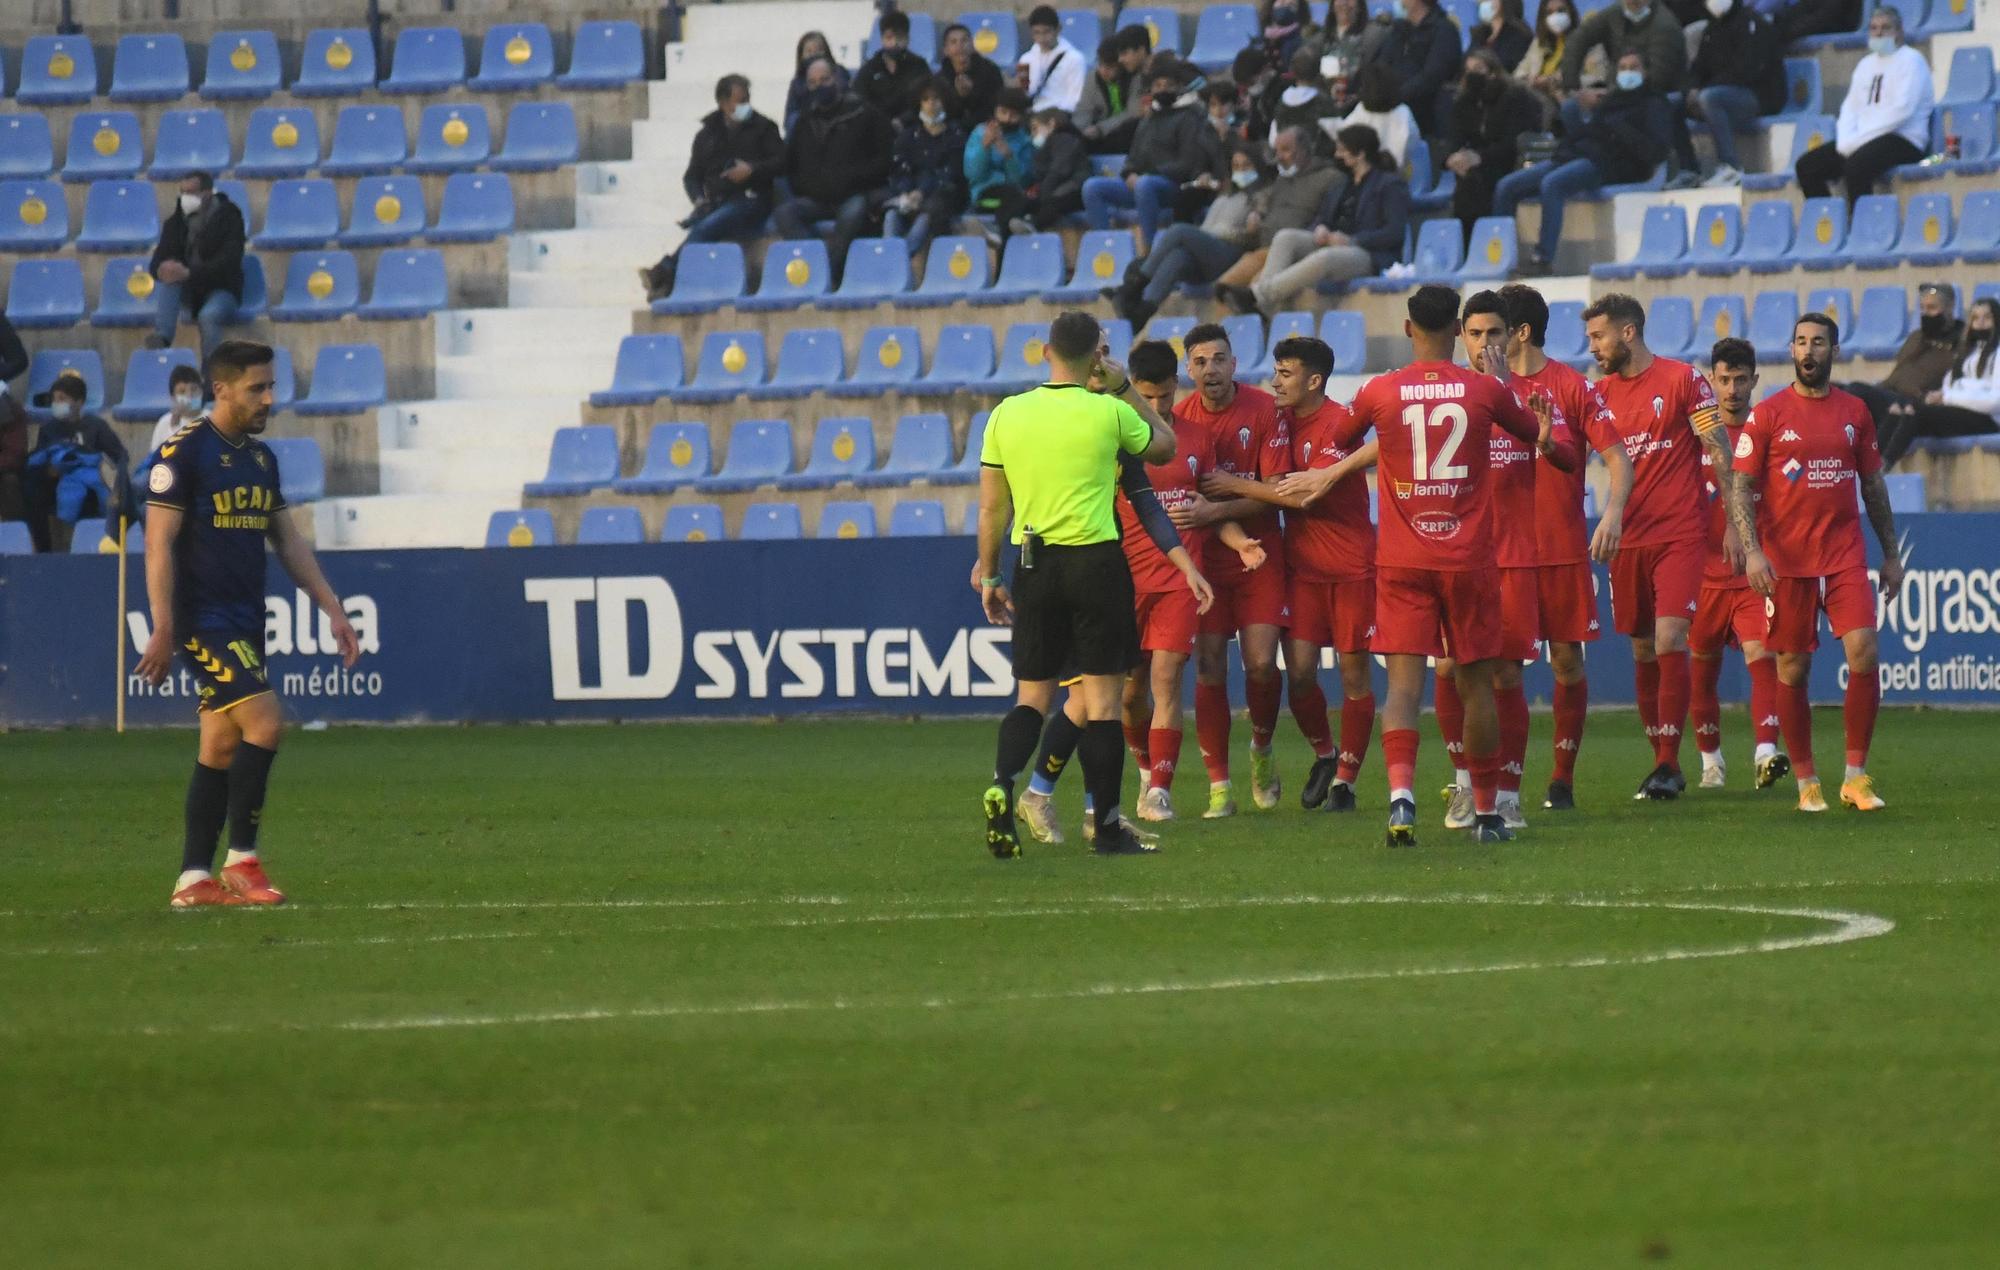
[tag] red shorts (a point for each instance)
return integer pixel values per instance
(1794, 608)
(1256, 598)
(1568, 596)
(1438, 613)
(1334, 614)
(1520, 613)
(1167, 621)
(1726, 616)
(1663, 580)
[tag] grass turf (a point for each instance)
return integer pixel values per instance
(825, 1028)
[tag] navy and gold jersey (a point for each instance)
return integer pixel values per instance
(229, 493)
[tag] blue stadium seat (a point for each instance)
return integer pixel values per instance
(1808, 132)
(284, 379)
(1822, 232)
(1117, 337)
(319, 287)
(34, 216)
(692, 522)
(966, 470)
(45, 294)
(1977, 240)
(580, 460)
(189, 141)
(649, 367)
(842, 450)
(1106, 164)
(917, 518)
(149, 68)
(515, 56)
(1718, 233)
(1767, 237)
(256, 299)
(1032, 264)
(1663, 244)
(46, 365)
(1565, 341)
(878, 269)
(971, 526)
(1773, 314)
(677, 454)
(1838, 304)
(428, 59)
(923, 37)
(301, 469)
(336, 63)
(1347, 335)
(1440, 253)
(532, 527)
(1881, 324)
(280, 141)
(1246, 335)
(477, 207)
(889, 361)
(709, 276)
(919, 449)
(760, 452)
(1926, 236)
(1172, 330)
(605, 55)
(1161, 22)
(125, 293)
(1429, 192)
(1906, 492)
(541, 137)
(26, 147)
(1873, 226)
(346, 378)
(388, 210)
(1220, 33)
(366, 139)
(242, 66)
(764, 522)
(451, 137)
(1971, 76)
(1256, 360)
(57, 70)
(809, 359)
(1494, 250)
(119, 216)
(1670, 326)
(610, 527)
(1945, 17)
(1102, 256)
(1975, 125)
(995, 36)
(15, 539)
(962, 359)
(146, 395)
(408, 284)
(1802, 88)
(846, 519)
(1023, 358)
(795, 274)
(1081, 27)
(300, 214)
(957, 267)
(731, 362)
(1722, 317)
(106, 145)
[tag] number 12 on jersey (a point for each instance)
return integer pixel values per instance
(1420, 420)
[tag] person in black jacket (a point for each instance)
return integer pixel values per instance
(1488, 116)
(13, 354)
(1608, 139)
(1503, 31)
(736, 156)
(926, 187)
(199, 264)
(1422, 49)
(1738, 75)
(889, 80)
(837, 156)
(811, 47)
(1174, 145)
(1055, 187)
(971, 83)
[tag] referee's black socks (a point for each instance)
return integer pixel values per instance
(1102, 751)
(249, 772)
(1058, 745)
(1020, 732)
(207, 808)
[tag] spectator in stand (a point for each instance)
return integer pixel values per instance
(971, 82)
(1393, 121)
(1224, 109)
(999, 154)
(1541, 66)
(1359, 229)
(1173, 146)
(811, 46)
(1190, 255)
(1629, 26)
(1738, 75)
(1055, 183)
(1349, 40)
(1928, 354)
(1283, 31)
(1306, 105)
(1608, 138)
(1300, 190)
(1108, 113)
(1502, 31)
(13, 354)
(199, 264)
(1420, 53)
(1258, 87)
(736, 157)
(889, 81)
(78, 467)
(1482, 143)
(837, 156)
(1885, 119)
(1967, 404)
(1051, 71)
(927, 178)
(1797, 19)
(13, 424)
(184, 390)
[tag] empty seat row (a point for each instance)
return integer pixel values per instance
(411, 283)
(702, 522)
(346, 377)
(246, 65)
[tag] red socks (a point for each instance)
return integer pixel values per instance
(1673, 707)
(1262, 696)
(1357, 720)
(1704, 706)
(1795, 716)
(1647, 675)
(1135, 741)
(1211, 729)
(1309, 708)
(1399, 754)
(1512, 706)
(1485, 780)
(1164, 750)
(1764, 700)
(1451, 720)
(1864, 698)
(1572, 703)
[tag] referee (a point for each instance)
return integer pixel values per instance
(1050, 463)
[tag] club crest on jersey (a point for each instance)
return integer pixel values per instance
(1745, 447)
(263, 461)
(1659, 406)
(1309, 451)
(1194, 465)
(1243, 437)
(1792, 469)
(1849, 430)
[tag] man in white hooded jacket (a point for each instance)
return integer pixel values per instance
(1885, 120)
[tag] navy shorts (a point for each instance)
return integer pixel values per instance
(228, 668)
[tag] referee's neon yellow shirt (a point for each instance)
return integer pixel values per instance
(1058, 445)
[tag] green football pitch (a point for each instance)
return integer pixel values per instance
(755, 995)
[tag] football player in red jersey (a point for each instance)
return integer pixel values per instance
(1330, 545)
(1666, 414)
(1804, 449)
(1437, 588)
(1729, 611)
(1566, 592)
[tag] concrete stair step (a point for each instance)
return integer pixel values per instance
(487, 375)
(581, 249)
(498, 421)
(626, 210)
(495, 474)
(614, 288)
(543, 331)
(379, 522)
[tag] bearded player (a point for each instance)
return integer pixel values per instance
(1804, 449)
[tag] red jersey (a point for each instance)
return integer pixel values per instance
(1806, 454)
(1239, 435)
(1658, 413)
(1333, 540)
(1716, 573)
(1177, 483)
(1561, 537)
(1517, 543)
(1435, 423)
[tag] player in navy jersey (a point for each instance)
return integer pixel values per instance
(213, 501)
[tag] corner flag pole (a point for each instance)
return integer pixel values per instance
(120, 623)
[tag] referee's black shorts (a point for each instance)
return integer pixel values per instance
(1073, 613)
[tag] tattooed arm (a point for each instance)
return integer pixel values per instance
(1875, 497)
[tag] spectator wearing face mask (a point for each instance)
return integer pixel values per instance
(1283, 31)
(1173, 146)
(971, 82)
(926, 187)
(1928, 354)
(1113, 98)
(1051, 72)
(837, 156)
(1358, 230)
(889, 80)
(1420, 53)
(1055, 178)
(1631, 26)
(999, 154)
(1540, 68)
(1190, 255)
(1967, 404)
(78, 467)
(1220, 99)
(1884, 121)
(1501, 31)
(184, 389)
(811, 46)
(1288, 201)
(1394, 122)
(1482, 136)
(736, 157)
(1738, 75)
(198, 263)
(1305, 104)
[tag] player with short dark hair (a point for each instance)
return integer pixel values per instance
(1805, 449)
(213, 501)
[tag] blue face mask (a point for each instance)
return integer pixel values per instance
(64, 410)
(1630, 81)
(1881, 45)
(1398, 10)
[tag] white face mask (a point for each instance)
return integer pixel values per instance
(932, 118)
(1329, 66)
(1881, 45)
(1243, 180)
(1489, 10)
(1720, 8)
(187, 403)
(1630, 81)
(1288, 171)
(742, 113)
(64, 410)
(190, 203)
(1641, 15)
(1559, 21)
